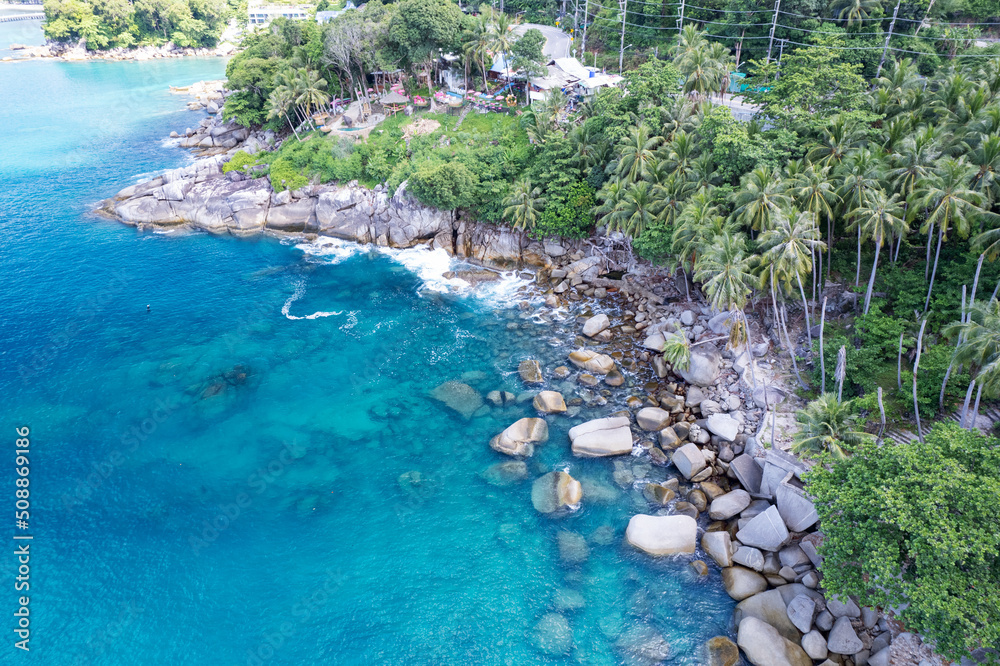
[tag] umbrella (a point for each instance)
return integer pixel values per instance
(393, 97)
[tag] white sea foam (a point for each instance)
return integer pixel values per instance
(300, 290)
(430, 265)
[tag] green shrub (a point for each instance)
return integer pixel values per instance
(285, 175)
(916, 527)
(240, 161)
(444, 185)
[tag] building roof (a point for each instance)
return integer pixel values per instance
(555, 78)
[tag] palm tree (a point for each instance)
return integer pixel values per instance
(677, 351)
(813, 191)
(637, 209)
(950, 204)
(789, 245)
(703, 74)
(980, 345)
(585, 144)
(862, 171)
(986, 159)
(689, 40)
(724, 270)
(839, 137)
(761, 196)
(854, 10)
(277, 107)
(312, 90)
(827, 426)
(523, 204)
(478, 47)
(880, 217)
(898, 77)
(636, 154)
(504, 37)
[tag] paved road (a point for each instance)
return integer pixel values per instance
(557, 42)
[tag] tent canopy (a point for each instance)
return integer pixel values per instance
(393, 97)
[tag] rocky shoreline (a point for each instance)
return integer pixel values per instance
(79, 52)
(703, 425)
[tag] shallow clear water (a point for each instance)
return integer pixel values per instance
(228, 478)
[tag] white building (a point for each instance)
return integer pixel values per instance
(260, 14)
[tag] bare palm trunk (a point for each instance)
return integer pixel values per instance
(829, 246)
(927, 260)
(975, 282)
(857, 275)
(293, 127)
(753, 373)
(958, 343)
(684, 277)
(937, 255)
(995, 290)
(871, 280)
(819, 273)
(916, 366)
(899, 242)
(791, 349)
(881, 409)
(812, 256)
(841, 372)
(965, 405)
(822, 350)
(805, 310)
(899, 364)
(975, 410)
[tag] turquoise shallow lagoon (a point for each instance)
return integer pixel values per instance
(253, 471)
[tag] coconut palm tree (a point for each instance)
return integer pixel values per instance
(703, 73)
(979, 348)
(789, 245)
(854, 10)
(677, 350)
(986, 159)
(312, 90)
(523, 205)
(761, 196)
(635, 211)
(636, 154)
(689, 40)
(861, 172)
(813, 191)
(724, 270)
(277, 107)
(880, 217)
(839, 137)
(828, 426)
(504, 37)
(478, 47)
(950, 205)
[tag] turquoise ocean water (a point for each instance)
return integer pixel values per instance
(231, 478)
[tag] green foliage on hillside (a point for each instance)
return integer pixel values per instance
(108, 24)
(917, 526)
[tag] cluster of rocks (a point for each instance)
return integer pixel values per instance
(208, 95)
(78, 51)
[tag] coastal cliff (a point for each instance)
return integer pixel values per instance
(201, 196)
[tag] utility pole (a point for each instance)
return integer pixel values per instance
(576, 17)
(774, 24)
(680, 19)
(621, 52)
(885, 49)
(586, 12)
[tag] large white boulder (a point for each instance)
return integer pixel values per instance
(741, 583)
(662, 535)
(609, 436)
(595, 325)
(689, 460)
(549, 402)
(519, 438)
(718, 546)
(764, 646)
(766, 531)
(703, 369)
(723, 425)
(591, 361)
(726, 506)
(652, 419)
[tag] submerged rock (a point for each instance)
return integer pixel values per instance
(553, 635)
(549, 402)
(556, 491)
(643, 645)
(720, 651)
(506, 473)
(530, 371)
(459, 397)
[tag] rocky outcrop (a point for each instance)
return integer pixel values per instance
(201, 197)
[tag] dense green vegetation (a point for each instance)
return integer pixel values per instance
(108, 24)
(916, 526)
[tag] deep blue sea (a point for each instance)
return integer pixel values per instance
(253, 472)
